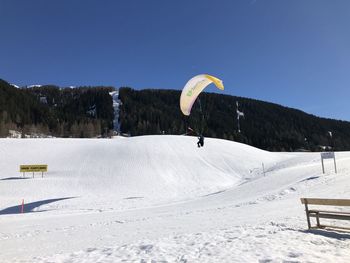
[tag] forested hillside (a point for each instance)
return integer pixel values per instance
(60, 112)
(265, 125)
(86, 112)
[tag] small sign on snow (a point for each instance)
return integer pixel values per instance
(328, 155)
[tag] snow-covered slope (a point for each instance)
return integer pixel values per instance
(162, 198)
(156, 169)
(17, 87)
(116, 104)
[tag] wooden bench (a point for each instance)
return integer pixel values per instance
(336, 215)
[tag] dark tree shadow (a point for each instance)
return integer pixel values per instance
(219, 192)
(331, 233)
(309, 178)
(14, 178)
(28, 208)
(133, 197)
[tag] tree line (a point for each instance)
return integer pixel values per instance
(265, 125)
(82, 112)
(85, 112)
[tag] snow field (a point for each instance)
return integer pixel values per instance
(162, 199)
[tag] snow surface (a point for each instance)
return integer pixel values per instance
(116, 104)
(17, 87)
(162, 199)
(34, 86)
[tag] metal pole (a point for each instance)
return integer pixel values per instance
(335, 165)
(239, 128)
(322, 165)
(263, 167)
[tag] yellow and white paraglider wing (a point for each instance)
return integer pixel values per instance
(193, 88)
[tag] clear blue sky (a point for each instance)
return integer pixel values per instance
(295, 53)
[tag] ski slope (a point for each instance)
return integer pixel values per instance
(162, 199)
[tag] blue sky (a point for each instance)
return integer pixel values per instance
(295, 53)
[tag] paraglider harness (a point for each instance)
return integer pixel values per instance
(200, 141)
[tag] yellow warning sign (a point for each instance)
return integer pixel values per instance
(33, 168)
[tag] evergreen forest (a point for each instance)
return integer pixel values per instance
(87, 112)
(265, 125)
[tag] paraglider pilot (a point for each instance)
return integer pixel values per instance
(200, 141)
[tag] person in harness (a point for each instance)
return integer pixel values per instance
(200, 141)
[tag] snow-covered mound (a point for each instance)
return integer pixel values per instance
(157, 169)
(162, 199)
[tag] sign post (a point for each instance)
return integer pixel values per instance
(328, 155)
(263, 167)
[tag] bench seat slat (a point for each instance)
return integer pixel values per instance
(321, 201)
(331, 216)
(330, 212)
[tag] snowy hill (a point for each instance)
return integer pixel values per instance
(171, 167)
(162, 198)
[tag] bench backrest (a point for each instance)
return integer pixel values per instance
(321, 201)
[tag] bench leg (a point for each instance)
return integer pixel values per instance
(318, 221)
(307, 216)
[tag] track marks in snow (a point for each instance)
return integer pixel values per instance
(268, 242)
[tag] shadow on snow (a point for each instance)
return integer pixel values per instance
(337, 234)
(28, 208)
(14, 178)
(309, 178)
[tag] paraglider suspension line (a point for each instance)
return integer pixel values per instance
(203, 119)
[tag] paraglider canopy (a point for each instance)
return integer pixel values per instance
(193, 88)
